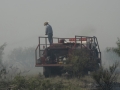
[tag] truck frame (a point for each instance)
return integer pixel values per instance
(53, 57)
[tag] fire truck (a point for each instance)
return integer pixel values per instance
(53, 57)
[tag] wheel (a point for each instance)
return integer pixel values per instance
(46, 72)
(56, 71)
(52, 71)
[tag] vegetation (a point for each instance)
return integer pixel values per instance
(82, 62)
(115, 49)
(20, 82)
(106, 78)
(1, 52)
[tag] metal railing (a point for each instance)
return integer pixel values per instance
(45, 43)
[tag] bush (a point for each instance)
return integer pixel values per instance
(82, 62)
(105, 78)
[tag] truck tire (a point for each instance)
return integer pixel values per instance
(46, 72)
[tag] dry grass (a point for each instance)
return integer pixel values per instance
(82, 83)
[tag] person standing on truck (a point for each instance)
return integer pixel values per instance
(49, 32)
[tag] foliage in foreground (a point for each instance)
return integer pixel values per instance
(105, 78)
(37, 83)
(82, 61)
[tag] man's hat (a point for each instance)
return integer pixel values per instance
(45, 23)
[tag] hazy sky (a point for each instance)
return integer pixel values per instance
(21, 21)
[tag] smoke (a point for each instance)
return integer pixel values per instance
(23, 59)
(88, 31)
(109, 58)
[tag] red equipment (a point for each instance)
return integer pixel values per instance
(53, 58)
